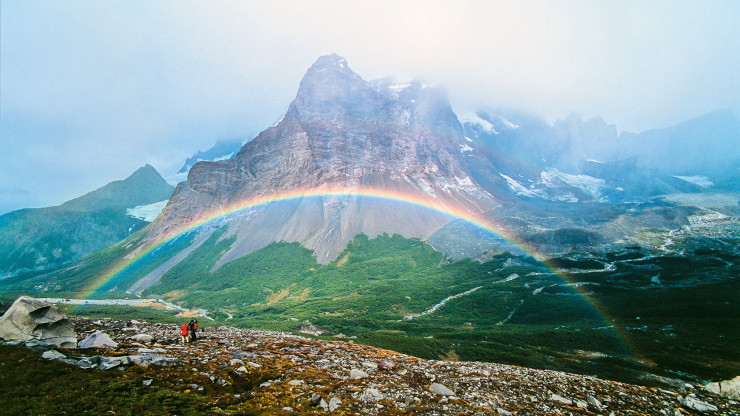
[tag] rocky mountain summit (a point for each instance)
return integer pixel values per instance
(339, 132)
(258, 372)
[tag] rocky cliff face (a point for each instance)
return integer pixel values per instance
(340, 131)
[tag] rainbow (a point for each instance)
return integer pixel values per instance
(454, 212)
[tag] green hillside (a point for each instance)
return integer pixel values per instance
(521, 312)
(37, 239)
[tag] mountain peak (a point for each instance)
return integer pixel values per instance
(330, 68)
(330, 84)
(330, 61)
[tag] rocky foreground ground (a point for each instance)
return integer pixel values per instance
(248, 372)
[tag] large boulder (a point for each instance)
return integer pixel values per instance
(97, 339)
(30, 319)
(727, 388)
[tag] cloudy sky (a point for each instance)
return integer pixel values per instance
(92, 90)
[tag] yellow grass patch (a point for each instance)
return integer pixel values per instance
(277, 297)
(173, 295)
(343, 260)
(350, 296)
(188, 314)
(302, 296)
(147, 303)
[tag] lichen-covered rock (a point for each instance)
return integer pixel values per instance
(33, 319)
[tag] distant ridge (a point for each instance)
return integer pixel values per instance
(40, 238)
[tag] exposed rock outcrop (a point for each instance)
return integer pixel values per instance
(339, 132)
(727, 388)
(33, 319)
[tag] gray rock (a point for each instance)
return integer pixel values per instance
(357, 374)
(696, 404)
(440, 390)
(33, 319)
(88, 362)
(560, 399)
(107, 363)
(315, 400)
(503, 412)
(593, 401)
(243, 354)
(37, 346)
(370, 365)
(727, 388)
(296, 382)
(236, 362)
(53, 355)
(97, 339)
(334, 404)
(671, 383)
(145, 360)
(371, 395)
(387, 365)
(143, 338)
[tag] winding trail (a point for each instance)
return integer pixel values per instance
(440, 304)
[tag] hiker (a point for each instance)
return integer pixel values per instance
(193, 326)
(184, 333)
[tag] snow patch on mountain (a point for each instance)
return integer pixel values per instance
(508, 123)
(147, 212)
(554, 178)
(702, 181)
(555, 185)
(476, 119)
(520, 189)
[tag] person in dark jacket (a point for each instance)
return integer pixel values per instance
(192, 326)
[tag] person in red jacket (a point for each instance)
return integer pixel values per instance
(184, 333)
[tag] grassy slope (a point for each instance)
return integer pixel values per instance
(368, 290)
(371, 286)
